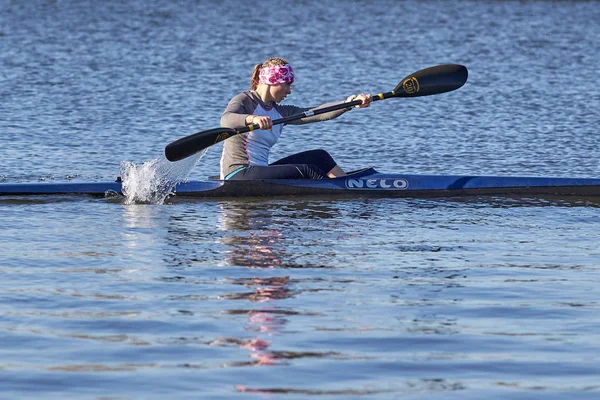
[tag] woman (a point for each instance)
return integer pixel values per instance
(246, 156)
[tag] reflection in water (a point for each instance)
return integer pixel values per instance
(253, 242)
(265, 289)
(237, 233)
(242, 233)
(254, 251)
(254, 232)
(266, 322)
(256, 244)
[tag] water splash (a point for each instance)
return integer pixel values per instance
(153, 181)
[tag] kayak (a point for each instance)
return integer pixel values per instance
(367, 182)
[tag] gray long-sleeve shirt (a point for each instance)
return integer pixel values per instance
(252, 148)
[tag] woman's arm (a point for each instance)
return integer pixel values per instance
(286, 111)
(238, 112)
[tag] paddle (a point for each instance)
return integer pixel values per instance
(433, 80)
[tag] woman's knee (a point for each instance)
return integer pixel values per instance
(318, 157)
(316, 154)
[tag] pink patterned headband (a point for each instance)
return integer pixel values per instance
(276, 74)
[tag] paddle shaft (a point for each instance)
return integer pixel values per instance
(305, 114)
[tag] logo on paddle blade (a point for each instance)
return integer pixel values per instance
(377, 184)
(222, 137)
(411, 85)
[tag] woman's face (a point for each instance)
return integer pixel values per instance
(280, 91)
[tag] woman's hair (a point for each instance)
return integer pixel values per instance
(268, 63)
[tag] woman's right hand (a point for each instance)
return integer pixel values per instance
(365, 98)
(262, 121)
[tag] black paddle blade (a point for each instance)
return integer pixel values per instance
(190, 145)
(433, 80)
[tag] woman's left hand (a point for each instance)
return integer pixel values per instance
(365, 98)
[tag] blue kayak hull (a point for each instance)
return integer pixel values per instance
(368, 182)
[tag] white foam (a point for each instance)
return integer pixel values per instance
(153, 181)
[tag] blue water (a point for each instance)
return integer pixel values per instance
(291, 298)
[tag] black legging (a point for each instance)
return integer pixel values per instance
(312, 164)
